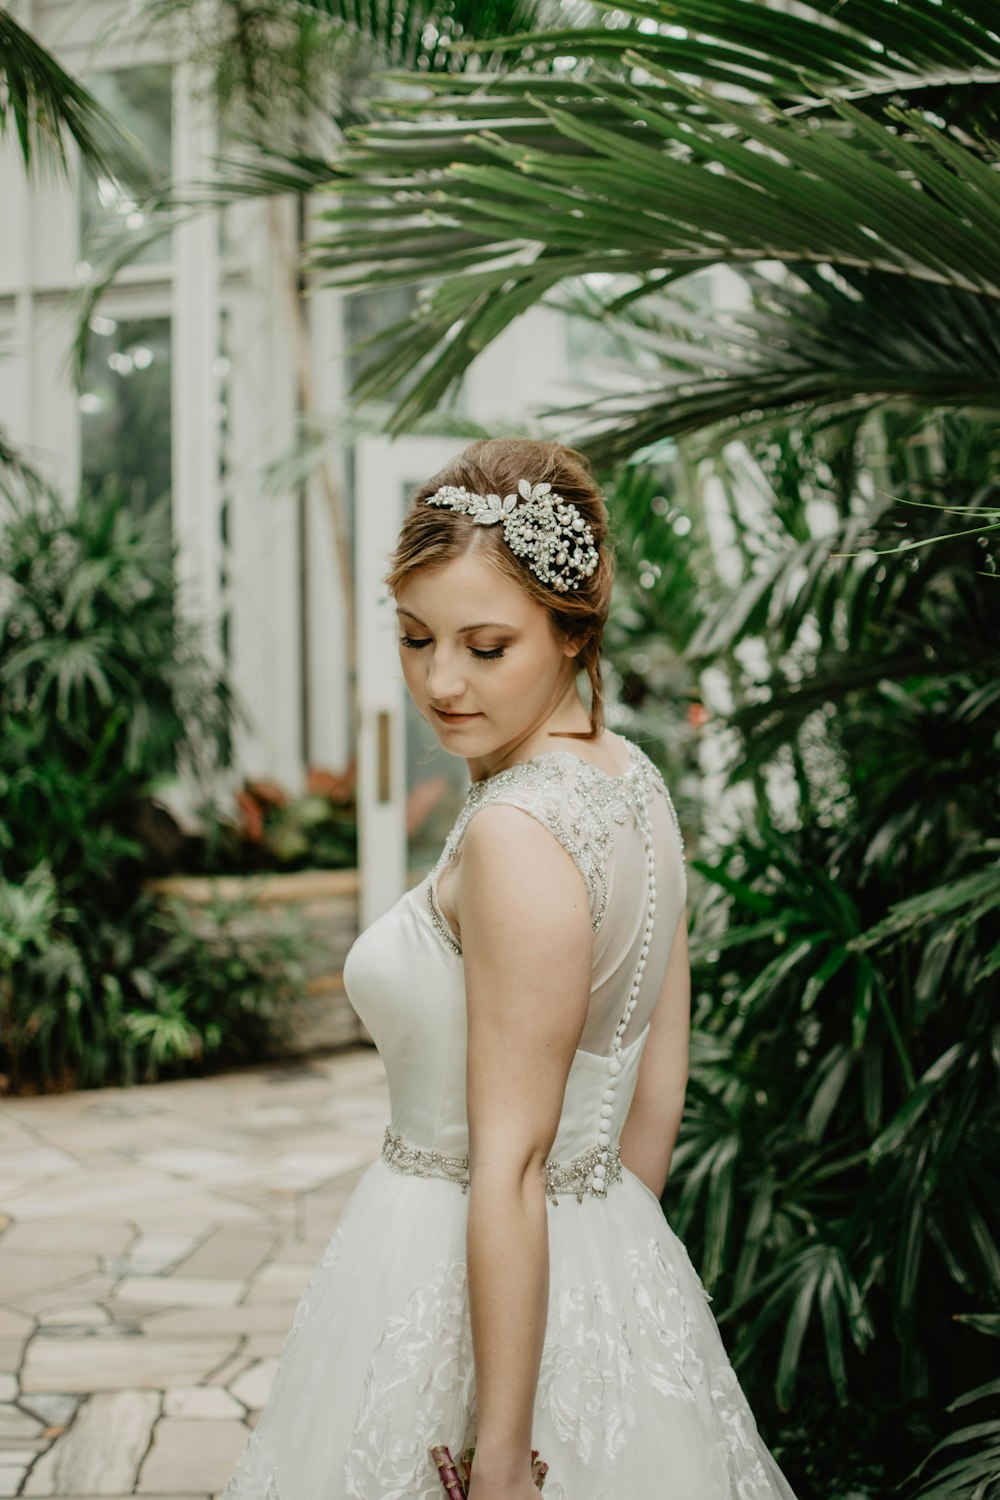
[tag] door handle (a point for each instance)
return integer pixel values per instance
(383, 738)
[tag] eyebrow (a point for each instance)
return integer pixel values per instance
(465, 630)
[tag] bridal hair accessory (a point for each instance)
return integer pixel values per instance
(546, 529)
(456, 1475)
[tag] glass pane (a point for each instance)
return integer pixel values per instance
(369, 313)
(436, 782)
(140, 100)
(125, 409)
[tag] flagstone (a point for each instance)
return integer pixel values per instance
(304, 1170)
(85, 1289)
(179, 1291)
(279, 1282)
(14, 1324)
(272, 1115)
(189, 1456)
(254, 1384)
(119, 1188)
(8, 1387)
(195, 1161)
(79, 1315)
(226, 1372)
(10, 1478)
(198, 1209)
(53, 1410)
(200, 1401)
(76, 1237)
(103, 1449)
(262, 1317)
(23, 1274)
(19, 1160)
(267, 1344)
(298, 1253)
(86, 1364)
(234, 1254)
(16, 1425)
(10, 1353)
(152, 1254)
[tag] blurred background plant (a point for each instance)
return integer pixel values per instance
(276, 831)
(104, 694)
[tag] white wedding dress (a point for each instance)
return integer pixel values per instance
(636, 1396)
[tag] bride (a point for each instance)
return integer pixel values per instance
(503, 1274)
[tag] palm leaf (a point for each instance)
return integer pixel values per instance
(870, 49)
(660, 178)
(44, 107)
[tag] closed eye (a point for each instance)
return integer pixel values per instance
(416, 644)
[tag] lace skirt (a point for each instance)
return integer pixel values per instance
(636, 1395)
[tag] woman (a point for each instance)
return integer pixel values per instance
(503, 1275)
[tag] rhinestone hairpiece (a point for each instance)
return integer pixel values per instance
(546, 530)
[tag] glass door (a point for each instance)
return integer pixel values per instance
(409, 789)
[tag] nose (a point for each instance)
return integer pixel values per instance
(445, 682)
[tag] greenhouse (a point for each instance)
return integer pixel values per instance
(661, 342)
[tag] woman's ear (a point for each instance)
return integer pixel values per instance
(572, 646)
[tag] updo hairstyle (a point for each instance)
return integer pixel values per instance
(432, 536)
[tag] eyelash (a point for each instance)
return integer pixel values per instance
(415, 645)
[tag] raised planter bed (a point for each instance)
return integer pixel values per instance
(328, 901)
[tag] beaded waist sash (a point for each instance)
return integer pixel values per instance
(592, 1171)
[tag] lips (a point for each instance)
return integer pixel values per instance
(454, 718)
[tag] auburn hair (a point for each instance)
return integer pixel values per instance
(433, 535)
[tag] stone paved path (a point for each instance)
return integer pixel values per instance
(153, 1244)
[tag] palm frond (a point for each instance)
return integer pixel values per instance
(45, 107)
(653, 182)
(861, 49)
(836, 345)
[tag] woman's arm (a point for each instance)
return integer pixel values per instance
(526, 942)
(654, 1116)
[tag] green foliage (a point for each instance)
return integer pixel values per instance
(965, 1465)
(275, 831)
(835, 1175)
(104, 689)
(104, 693)
(44, 105)
(92, 996)
(859, 154)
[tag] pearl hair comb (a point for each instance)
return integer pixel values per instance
(546, 530)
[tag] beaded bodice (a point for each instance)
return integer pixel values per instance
(405, 974)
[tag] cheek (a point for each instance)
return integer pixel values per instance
(412, 671)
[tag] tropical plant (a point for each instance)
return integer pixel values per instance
(275, 831)
(975, 1473)
(833, 1178)
(288, 80)
(92, 995)
(104, 687)
(855, 150)
(43, 106)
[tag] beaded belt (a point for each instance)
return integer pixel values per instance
(593, 1171)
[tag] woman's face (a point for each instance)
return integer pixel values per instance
(482, 660)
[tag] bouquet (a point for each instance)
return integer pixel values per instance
(455, 1475)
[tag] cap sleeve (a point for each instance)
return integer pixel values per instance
(579, 807)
